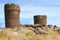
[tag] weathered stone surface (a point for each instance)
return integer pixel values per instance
(12, 12)
(40, 19)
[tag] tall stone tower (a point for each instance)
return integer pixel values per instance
(12, 12)
(40, 19)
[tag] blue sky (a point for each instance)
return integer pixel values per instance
(29, 8)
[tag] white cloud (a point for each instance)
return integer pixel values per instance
(1, 11)
(30, 11)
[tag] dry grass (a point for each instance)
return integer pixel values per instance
(24, 33)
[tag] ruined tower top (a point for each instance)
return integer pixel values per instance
(40, 16)
(12, 13)
(40, 19)
(10, 7)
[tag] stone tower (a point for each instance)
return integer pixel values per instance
(12, 12)
(40, 19)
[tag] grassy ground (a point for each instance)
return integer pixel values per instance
(24, 33)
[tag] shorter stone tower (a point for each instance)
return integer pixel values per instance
(40, 19)
(12, 12)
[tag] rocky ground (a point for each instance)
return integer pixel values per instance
(30, 33)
